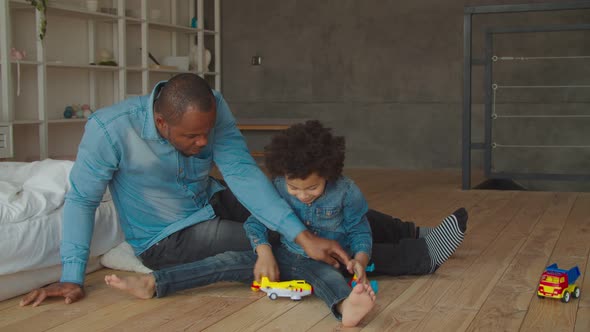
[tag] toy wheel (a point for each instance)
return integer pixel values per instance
(273, 296)
(540, 296)
(566, 297)
(576, 293)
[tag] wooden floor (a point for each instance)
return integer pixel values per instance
(488, 285)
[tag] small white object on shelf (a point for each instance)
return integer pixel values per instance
(180, 62)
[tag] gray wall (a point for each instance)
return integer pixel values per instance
(386, 74)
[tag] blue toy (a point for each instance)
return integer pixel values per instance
(68, 112)
(373, 283)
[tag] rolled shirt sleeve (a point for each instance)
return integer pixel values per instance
(257, 233)
(356, 224)
(249, 184)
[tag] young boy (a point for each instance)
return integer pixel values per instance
(306, 163)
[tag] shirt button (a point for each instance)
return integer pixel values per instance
(308, 222)
(180, 170)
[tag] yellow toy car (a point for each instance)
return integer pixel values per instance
(294, 289)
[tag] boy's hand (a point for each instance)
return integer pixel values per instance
(266, 265)
(356, 267)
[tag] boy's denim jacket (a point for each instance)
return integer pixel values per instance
(338, 214)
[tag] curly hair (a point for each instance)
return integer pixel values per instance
(303, 149)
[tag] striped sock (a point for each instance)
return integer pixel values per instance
(423, 231)
(444, 239)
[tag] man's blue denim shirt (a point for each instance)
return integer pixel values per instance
(338, 214)
(156, 190)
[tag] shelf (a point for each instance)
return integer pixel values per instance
(71, 11)
(66, 65)
(20, 4)
(172, 71)
(172, 27)
(81, 12)
(26, 122)
(59, 76)
(134, 20)
(88, 67)
(76, 120)
(68, 11)
(26, 62)
(138, 69)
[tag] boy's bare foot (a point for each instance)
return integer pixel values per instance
(143, 287)
(360, 301)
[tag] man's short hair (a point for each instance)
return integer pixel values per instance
(180, 92)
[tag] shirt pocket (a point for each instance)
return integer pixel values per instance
(328, 218)
(197, 169)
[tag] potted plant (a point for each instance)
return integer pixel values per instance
(41, 6)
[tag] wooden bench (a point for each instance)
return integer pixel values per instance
(265, 124)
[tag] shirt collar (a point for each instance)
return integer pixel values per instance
(149, 131)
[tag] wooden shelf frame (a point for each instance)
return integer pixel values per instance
(120, 20)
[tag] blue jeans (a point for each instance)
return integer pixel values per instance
(396, 251)
(328, 283)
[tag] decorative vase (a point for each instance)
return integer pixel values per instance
(193, 58)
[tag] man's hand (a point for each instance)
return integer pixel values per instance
(70, 291)
(266, 265)
(327, 251)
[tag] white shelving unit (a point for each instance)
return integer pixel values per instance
(58, 70)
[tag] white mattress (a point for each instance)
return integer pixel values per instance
(31, 209)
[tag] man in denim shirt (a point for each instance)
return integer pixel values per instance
(155, 154)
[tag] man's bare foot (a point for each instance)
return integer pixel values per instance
(143, 287)
(360, 301)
